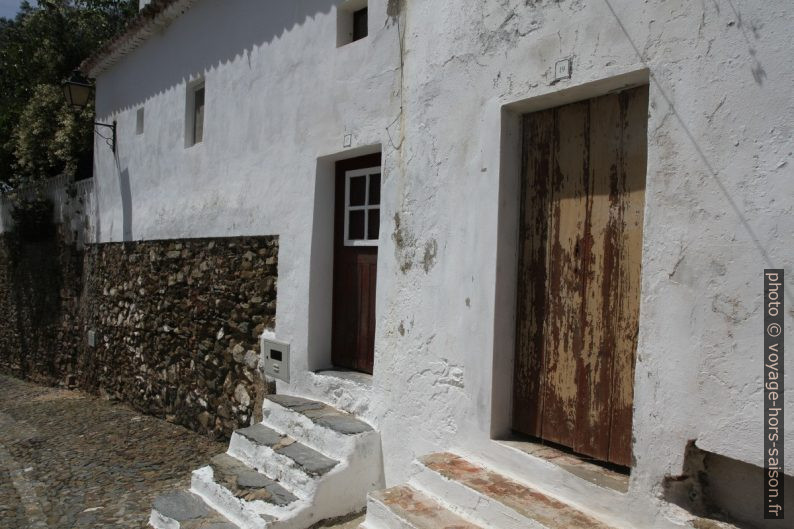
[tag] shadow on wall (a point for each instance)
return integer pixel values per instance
(732, 202)
(228, 33)
(724, 489)
(40, 286)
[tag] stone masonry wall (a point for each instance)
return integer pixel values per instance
(40, 287)
(177, 326)
(176, 323)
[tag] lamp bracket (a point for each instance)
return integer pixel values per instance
(112, 139)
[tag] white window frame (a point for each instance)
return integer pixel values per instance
(365, 208)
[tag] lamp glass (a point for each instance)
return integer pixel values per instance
(77, 90)
(77, 94)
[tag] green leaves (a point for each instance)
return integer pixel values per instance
(49, 137)
(40, 136)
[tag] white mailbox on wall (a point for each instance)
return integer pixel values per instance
(276, 355)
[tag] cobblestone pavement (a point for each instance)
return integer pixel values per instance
(70, 460)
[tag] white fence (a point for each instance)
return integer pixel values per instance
(73, 205)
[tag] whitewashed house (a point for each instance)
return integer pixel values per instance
(518, 239)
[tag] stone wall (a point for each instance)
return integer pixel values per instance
(177, 326)
(176, 323)
(40, 290)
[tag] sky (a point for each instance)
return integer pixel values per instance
(9, 8)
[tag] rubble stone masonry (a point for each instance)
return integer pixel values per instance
(176, 323)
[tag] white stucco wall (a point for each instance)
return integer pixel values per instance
(281, 96)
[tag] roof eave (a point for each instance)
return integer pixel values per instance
(152, 19)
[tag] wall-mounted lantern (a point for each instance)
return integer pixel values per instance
(77, 90)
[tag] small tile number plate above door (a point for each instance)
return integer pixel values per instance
(362, 207)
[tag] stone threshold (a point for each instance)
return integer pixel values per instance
(363, 379)
(579, 466)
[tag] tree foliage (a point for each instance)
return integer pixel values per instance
(40, 135)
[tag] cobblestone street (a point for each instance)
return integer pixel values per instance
(72, 460)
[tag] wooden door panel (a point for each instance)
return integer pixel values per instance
(533, 262)
(596, 358)
(367, 273)
(579, 273)
(355, 273)
(634, 108)
(563, 325)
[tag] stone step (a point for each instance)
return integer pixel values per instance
(248, 484)
(293, 464)
(403, 507)
(317, 425)
(495, 500)
(245, 496)
(185, 510)
(322, 414)
(309, 460)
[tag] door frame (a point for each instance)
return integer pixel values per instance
(583, 194)
(318, 305)
(504, 120)
(343, 168)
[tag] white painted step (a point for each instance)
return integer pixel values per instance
(185, 510)
(295, 465)
(493, 499)
(305, 463)
(338, 436)
(245, 496)
(319, 426)
(403, 507)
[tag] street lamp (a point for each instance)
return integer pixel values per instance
(77, 91)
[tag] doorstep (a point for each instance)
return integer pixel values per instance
(346, 390)
(577, 465)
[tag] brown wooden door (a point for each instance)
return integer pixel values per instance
(356, 233)
(583, 195)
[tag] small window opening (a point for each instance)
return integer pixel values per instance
(139, 121)
(198, 112)
(194, 119)
(352, 22)
(359, 24)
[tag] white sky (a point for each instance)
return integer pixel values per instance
(9, 8)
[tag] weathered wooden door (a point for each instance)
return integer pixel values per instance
(583, 195)
(356, 233)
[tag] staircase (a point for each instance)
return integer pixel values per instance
(448, 492)
(304, 463)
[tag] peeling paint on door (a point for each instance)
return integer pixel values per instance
(583, 196)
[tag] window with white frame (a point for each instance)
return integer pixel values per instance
(362, 207)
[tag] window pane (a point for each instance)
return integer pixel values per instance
(374, 224)
(360, 24)
(198, 116)
(374, 189)
(355, 228)
(358, 190)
